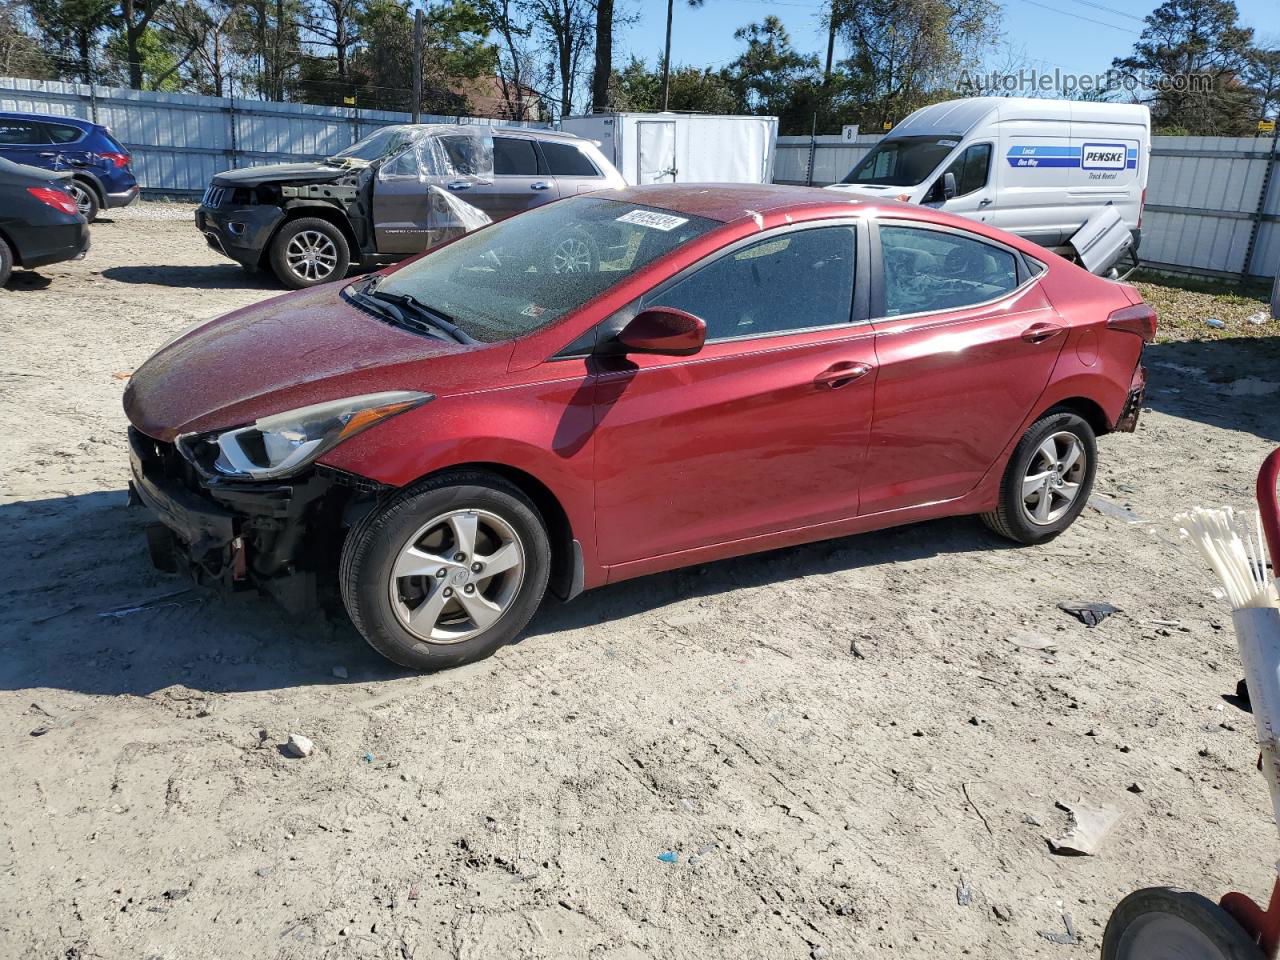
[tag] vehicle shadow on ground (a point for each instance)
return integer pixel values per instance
(1232, 383)
(21, 280)
(83, 610)
(221, 276)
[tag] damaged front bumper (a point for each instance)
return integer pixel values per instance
(240, 233)
(274, 537)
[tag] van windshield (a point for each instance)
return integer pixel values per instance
(902, 161)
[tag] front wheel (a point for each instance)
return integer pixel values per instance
(1048, 479)
(308, 252)
(447, 571)
(6, 262)
(1161, 923)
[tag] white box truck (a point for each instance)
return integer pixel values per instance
(1037, 168)
(683, 147)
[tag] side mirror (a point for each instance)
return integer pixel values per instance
(949, 185)
(665, 331)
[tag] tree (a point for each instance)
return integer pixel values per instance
(151, 62)
(1263, 78)
(568, 28)
(515, 62)
(266, 33)
(199, 29)
(1193, 56)
(336, 25)
(604, 56)
(905, 54)
(20, 53)
(71, 30)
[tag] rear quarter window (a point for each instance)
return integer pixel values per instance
(63, 132)
(566, 160)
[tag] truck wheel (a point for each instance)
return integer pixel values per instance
(1161, 922)
(1047, 481)
(6, 262)
(86, 199)
(308, 252)
(447, 571)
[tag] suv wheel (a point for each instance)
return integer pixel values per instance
(308, 252)
(86, 199)
(1048, 479)
(447, 571)
(575, 251)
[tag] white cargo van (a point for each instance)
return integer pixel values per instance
(1037, 168)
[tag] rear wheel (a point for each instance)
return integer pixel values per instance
(86, 199)
(1048, 479)
(447, 571)
(1161, 923)
(6, 262)
(308, 252)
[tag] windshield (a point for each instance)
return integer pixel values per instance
(525, 273)
(379, 144)
(902, 161)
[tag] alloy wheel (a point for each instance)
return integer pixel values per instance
(457, 576)
(1053, 478)
(571, 255)
(311, 255)
(79, 193)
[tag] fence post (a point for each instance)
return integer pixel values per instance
(1259, 212)
(813, 150)
(231, 119)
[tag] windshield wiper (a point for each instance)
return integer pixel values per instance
(438, 323)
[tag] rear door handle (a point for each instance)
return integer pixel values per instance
(1039, 332)
(540, 185)
(841, 374)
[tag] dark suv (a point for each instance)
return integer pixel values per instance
(98, 162)
(395, 194)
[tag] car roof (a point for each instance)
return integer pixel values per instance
(48, 118)
(728, 202)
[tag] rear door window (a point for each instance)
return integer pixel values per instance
(566, 160)
(932, 270)
(513, 157)
(63, 132)
(21, 133)
(799, 280)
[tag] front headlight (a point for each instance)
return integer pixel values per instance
(284, 443)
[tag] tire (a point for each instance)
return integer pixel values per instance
(86, 199)
(1162, 923)
(574, 251)
(506, 525)
(1024, 522)
(309, 235)
(6, 262)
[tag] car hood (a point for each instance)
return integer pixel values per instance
(287, 172)
(288, 352)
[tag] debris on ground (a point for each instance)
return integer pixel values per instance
(1258, 319)
(1090, 614)
(1068, 939)
(1033, 641)
(1087, 831)
(964, 893)
(669, 856)
(1215, 323)
(1109, 508)
(299, 745)
(172, 599)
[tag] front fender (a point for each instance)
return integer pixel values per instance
(544, 431)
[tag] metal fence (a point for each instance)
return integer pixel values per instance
(180, 141)
(1213, 203)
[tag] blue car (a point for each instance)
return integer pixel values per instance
(98, 163)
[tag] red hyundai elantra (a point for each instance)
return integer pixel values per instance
(718, 370)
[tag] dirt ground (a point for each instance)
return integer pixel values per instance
(829, 751)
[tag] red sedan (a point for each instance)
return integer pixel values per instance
(722, 370)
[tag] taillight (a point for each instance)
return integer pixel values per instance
(117, 159)
(1139, 319)
(57, 199)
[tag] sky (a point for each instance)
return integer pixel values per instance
(1079, 36)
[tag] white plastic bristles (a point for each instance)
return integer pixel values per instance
(1240, 563)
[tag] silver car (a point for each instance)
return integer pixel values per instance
(399, 191)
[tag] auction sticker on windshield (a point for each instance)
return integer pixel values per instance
(655, 221)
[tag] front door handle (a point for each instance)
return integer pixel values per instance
(459, 184)
(984, 202)
(1040, 332)
(46, 153)
(841, 374)
(540, 185)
